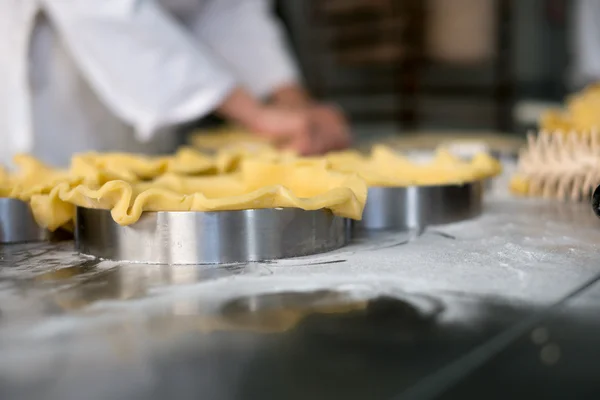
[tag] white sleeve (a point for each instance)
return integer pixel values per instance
(146, 68)
(248, 37)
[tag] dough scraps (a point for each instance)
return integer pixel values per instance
(385, 167)
(259, 184)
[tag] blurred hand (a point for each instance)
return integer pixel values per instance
(308, 131)
(330, 128)
(285, 128)
(305, 128)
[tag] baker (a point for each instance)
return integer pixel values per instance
(80, 75)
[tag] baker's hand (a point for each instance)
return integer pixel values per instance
(283, 126)
(330, 128)
(309, 131)
(306, 129)
(289, 129)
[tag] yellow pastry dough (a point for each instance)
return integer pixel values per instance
(228, 138)
(580, 114)
(231, 145)
(519, 185)
(425, 140)
(103, 167)
(305, 185)
(130, 184)
(34, 177)
(385, 167)
(5, 183)
(229, 159)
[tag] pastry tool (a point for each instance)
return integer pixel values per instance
(415, 207)
(557, 165)
(17, 224)
(596, 201)
(210, 237)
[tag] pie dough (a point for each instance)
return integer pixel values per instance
(238, 143)
(229, 159)
(104, 167)
(580, 114)
(431, 140)
(33, 177)
(259, 184)
(243, 178)
(228, 138)
(99, 168)
(385, 167)
(5, 183)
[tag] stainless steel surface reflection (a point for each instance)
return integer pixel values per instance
(388, 315)
(210, 237)
(419, 206)
(17, 223)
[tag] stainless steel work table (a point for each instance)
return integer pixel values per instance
(487, 307)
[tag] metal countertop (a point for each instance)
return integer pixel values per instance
(408, 315)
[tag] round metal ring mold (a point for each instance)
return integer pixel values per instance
(415, 207)
(17, 224)
(210, 237)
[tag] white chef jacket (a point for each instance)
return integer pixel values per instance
(78, 75)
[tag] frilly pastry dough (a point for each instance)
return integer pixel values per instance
(309, 186)
(580, 114)
(233, 144)
(229, 159)
(5, 183)
(33, 177)
(385, 167)
(104, 167)
(262, 177)
(227, 138)
(423, 140)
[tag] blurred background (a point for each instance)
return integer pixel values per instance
(404, 65)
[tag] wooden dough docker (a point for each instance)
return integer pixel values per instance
(559, 165)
